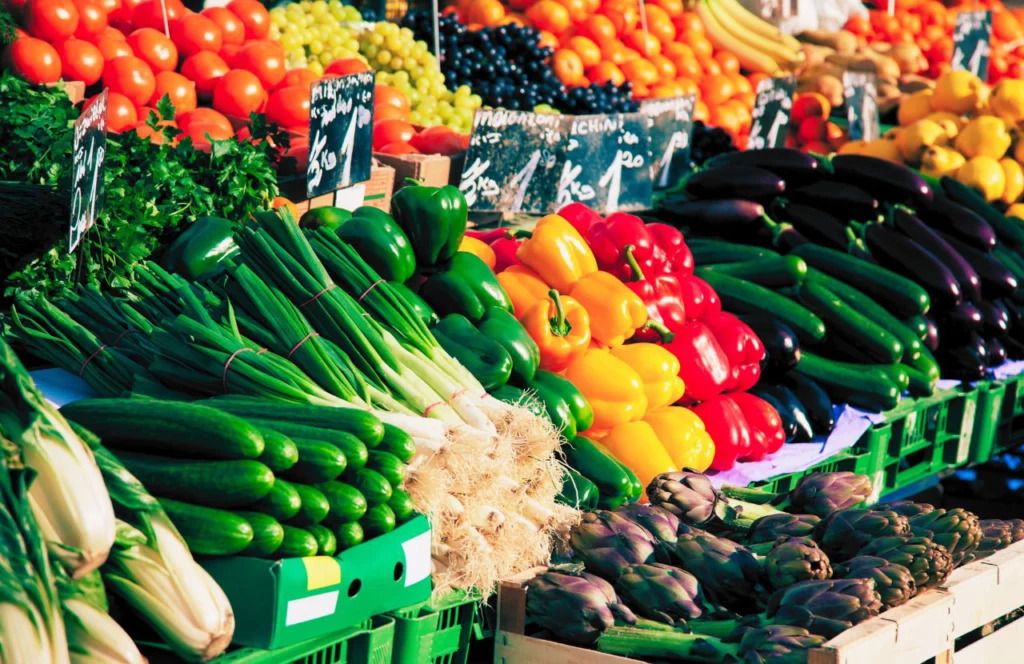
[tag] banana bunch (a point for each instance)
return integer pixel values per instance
(760, 46)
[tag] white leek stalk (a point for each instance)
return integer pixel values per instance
(96, 638)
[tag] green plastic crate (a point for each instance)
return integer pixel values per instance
(1010, 433)
(435, 632)
(988, 420)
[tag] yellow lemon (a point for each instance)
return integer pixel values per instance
(1016, 210)
(1007, 99)
(882, 149)
(959, 92)
(984, 136)
(938, 161)
(917, 138)
(852, 147)
(915, 107)
(952, 124)
(984, 175)
(1014, 181)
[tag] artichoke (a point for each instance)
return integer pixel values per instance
(688, 495)
(576, 608)
(958, 530)
(844, 532)
(663, 593)
(727, 571)
(929, 563)
(663, 525)
(607, 543)
(907, 508)
(775, 644)
(996, 535)
(827, 608)
(772, 527)
(1016, 529)
(819, 494)
(894, 582)
(793, 560)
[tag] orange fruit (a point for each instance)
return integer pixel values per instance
(640, 71)
(701, 112)
(664, 90)
(710, 66)
(641, 91)
(281, 201)
(809, 105)
(834, 134)
(688, 22)
(1005, 26)
(589, 52)
(615, 52)
(728, 61)
(673, 8)
(741, 84)
(666, 69)
(568, 66)
(549, 15)
(742, 112)
(486, 12)
(687, 87)
(677, 50)
(597, 28)
(659, 24)
(650, 46)
(624, 15)
(726, 118)
(606, 71)
(699, 43)
(577, 9)
(716, 89)
(690, 68)
(547, 39)
(747, 98)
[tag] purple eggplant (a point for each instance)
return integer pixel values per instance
(782, 348)
(995, 319)
(893, 182)
(996, 353)
(746, 182)
(996, 279)
(720, 217)
(962, 362)
(931, 338)
(1012, 313)
(957, 221)
(919, 232)
(1014, 349)
(843, 200)
(895, 251)
(788, 238)
(793, 166)
(817, 226)
(959, 322)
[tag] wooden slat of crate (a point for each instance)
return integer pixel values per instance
(1003, 645)
(987, 589)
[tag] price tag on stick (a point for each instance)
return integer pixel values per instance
(340, 133)
(771, 113)
(670, 126)
(607, 162)
(972, 42)
(90, 146)
(861, 95)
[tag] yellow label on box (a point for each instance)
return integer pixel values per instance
(321, 572)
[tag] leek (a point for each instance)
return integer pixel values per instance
(93, 636)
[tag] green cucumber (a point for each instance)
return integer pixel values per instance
(598, 467)
(389, 466)
(397, 442)
(844, 321)
(279, 451)
(928, 364)
(371, 484)
(267, 534)
(282, 503)
(360, 423)
(314, 507)
(208, 531)
(518, 397)
(770, 272)
(379, 520)
(898, 374)
(347, 503)
(744, 297)
(636, 487)
(348, 535)
(319, 461)
(577, 491)
(401, 504)
(901, 296)
(862, 386)
(209, 483)
(709, 252)
(354, 449)
(918, 325)
(605, 503)
(297, 543)
(167, 428)
(920, 383)
(326, 542)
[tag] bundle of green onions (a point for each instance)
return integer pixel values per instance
(93, 636)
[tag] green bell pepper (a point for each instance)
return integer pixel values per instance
(465, 285)
(517, 397)
(419, 307)
(434, 218)
(578, 491)
(485, 358)
(380, 242)
(503, 327)
(324, 217)
(567, 408)
(200, 252)
(599, 467)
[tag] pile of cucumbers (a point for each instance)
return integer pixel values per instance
(254, 477)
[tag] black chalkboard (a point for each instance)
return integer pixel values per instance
(771, 113)
(606, 162)
(512, 162)
(340, 133)
(90, 146)
(971, 42)
(861, 99)
(671, 123)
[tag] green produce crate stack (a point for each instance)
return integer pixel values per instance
(435, 633)
(988, 421)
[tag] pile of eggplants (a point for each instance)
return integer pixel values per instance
(936, 233)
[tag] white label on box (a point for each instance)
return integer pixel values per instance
(350, 198)
(417, 558)
(311, 608)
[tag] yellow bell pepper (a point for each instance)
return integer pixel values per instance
(636, 445)
(524, 287)
(614, 391)
(558, 253)
(658, 369)
(615, 311)
(479, 249)
(682, 433)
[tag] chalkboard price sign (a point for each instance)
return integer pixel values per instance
(971, 42)
(606, 162)
(511, 164)
(90, 146)
(671, 123)
(340, 133)
(861, 98)
(771, 113)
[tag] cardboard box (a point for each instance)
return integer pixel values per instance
(74, 89)
(433, 170)
(375, 192)
(278, 603)
(380, 186)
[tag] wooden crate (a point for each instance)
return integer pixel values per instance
(925, 628)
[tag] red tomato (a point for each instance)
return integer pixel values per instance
(263, 58)
(109, 6)
(438, 140)
(92, 18)
(112, 47)
(180, 90)
(300, 153)
(303, 77)
(33, 59)
(204, 68)
(253, 15)
(52, 20)
(80, 61)
(231, 27)
(398, 147)
(154, 48)
(145, 131)
(121, 113)
(193, 33)
(203, 115)
(391, 131)
(119, 12)
(346, 66)
(238, 93)
(149, 13)
(289, 107)
(113, 32)
(130, 76)
(199, 131)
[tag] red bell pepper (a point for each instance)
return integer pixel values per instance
(487, 236)
(703, 364)
(699, 297)
(741, 345)
(766, 433)
(608, 239)
(505, 247)
(662, 295)
(728, 427)
(580, 217)
(678, 257)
